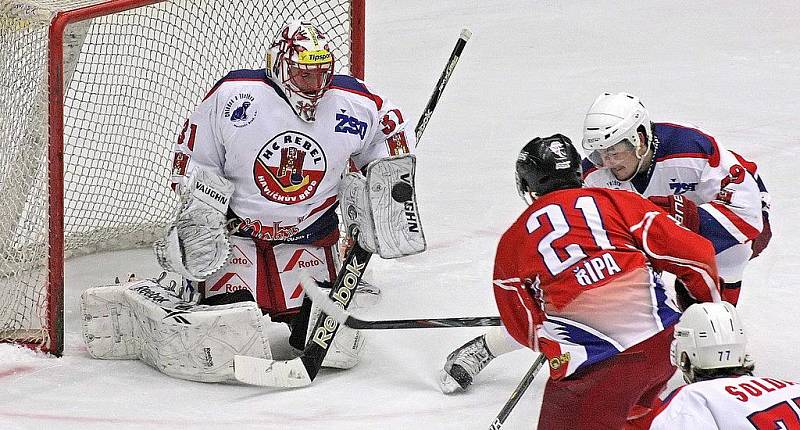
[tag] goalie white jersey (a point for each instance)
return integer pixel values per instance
(746, 402)
(286, 171)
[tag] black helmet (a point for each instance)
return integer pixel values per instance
(548, 164)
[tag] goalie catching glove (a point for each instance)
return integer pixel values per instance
(196, 244)
(383, 206)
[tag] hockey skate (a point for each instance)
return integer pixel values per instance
(463, 364)
(367, 295)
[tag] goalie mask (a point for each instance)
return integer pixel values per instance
(547, 164)
(301, 62)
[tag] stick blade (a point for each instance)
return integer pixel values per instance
(270, 373)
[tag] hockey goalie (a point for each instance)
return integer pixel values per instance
(260, 168)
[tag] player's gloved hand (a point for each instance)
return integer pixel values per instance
(762, 240)
(681, 209)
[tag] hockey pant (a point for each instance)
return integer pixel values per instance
(271, 273)
(608, 393)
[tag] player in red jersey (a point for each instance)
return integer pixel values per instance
(576, 278)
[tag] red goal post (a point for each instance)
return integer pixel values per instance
(89, 171)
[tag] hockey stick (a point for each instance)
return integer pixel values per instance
(445, 76)
(341, 316)
(300, 371)
(517, 394)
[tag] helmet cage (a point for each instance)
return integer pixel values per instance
(302, 63)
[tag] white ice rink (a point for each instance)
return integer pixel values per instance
(531, 68)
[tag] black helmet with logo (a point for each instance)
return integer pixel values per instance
(548, 164)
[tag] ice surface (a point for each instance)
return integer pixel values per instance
(531, 68)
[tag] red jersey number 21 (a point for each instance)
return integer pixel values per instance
(561, 227)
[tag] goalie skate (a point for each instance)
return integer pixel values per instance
(463, 364)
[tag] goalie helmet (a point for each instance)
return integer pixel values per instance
(709, 339)
(547, 164)
(301, 62)
(613, 119)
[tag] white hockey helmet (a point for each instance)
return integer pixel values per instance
(301, 61)
(708, 336)
(614, 118)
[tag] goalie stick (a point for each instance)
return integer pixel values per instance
(342, 316)
(498, 422)
(439, 88)
(300, 371)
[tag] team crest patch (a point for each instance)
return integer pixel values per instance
(289, 168)
(240, 110)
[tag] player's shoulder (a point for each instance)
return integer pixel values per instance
(350, 86)
(684, 141)
(236, 79)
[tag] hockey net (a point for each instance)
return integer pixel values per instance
(132, 72)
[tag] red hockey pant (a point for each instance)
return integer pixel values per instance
(602, 396)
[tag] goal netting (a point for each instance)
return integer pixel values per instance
(132, 71)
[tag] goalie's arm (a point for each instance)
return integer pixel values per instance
(392, 136)
(198, 145)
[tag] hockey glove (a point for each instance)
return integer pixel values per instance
(196, 244)
(762, 240)
(679, 208)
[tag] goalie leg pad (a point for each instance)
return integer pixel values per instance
(144, 320)
(194, 342)
(346, 348)
(108, 324)
(384, 207)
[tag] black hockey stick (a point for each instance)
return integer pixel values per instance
(445, 76)
(342, 316)
(300, 371)
(498, 422)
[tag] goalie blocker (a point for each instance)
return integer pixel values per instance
(383, 206)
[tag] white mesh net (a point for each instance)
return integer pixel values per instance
(131, 79)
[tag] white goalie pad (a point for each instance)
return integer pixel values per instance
(107, 324)
(196, 244)
(384, 207)
(144, 320)
(347, 346)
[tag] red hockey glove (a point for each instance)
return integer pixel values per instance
(680, 208)
(762, 240)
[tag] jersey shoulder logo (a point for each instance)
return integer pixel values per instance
(240, 110)
(350, 124)
(289, 168)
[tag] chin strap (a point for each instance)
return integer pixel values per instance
(650, 147)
